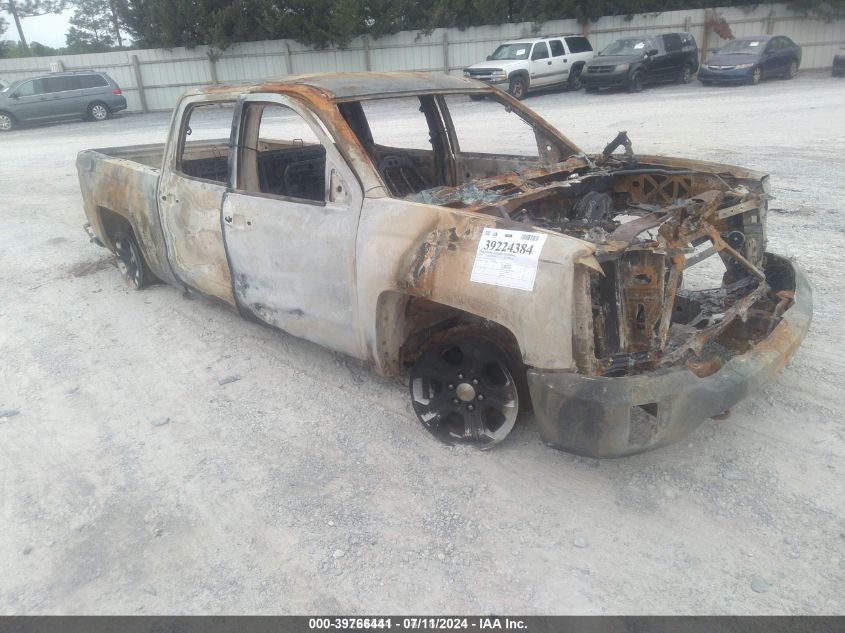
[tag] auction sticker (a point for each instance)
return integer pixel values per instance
(508, 258)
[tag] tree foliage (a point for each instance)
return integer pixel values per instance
(97, 24)
(169, 23)
(94, 26)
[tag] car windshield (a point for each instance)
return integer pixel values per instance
(512, 51)
(743, 47)
(630, 46)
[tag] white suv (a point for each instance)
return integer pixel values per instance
(530, 63)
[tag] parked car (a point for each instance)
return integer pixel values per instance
(501, 269)
(839, 63)
(751, 59)
(633, 62)
(58, 96)
(529, 64)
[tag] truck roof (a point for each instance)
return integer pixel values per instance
(351, 86)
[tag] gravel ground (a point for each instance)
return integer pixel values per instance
(133, 481)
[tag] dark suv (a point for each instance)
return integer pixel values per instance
(57, 96)
(633, 62)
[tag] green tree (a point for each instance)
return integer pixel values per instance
(94, 26)
(20, 9)
(320, 23)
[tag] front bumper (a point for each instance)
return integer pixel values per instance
(614, 417)
(733, 76)
(605, 80)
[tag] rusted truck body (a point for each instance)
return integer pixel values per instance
(524, 275)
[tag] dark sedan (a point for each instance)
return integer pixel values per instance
(751, 59)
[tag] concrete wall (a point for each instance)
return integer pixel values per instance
(153, 79)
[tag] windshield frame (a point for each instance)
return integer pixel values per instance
(528, 46)
(648, 43)
(747, 49)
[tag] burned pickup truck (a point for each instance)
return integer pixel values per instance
(468, 243)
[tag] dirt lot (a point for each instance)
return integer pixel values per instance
(133, 481)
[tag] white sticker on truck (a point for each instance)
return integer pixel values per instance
(508, 258)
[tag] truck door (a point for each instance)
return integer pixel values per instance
(291, 223)
(540, 66)
(560, 61)
(194, 178)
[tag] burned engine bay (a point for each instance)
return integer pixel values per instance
(650, 223)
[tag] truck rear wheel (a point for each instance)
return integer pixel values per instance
(465, 388)
(130, 262)
(574, 82)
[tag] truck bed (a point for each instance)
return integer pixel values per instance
(119, 186)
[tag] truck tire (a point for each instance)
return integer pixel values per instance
(518, 87)
(685, 75)
(466, 385)
(574, 82)
(98, 111)
(7, 122)
(130, 262)
(635, 83)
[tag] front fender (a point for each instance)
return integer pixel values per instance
(420, 250)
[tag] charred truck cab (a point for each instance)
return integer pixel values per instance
(625, 298)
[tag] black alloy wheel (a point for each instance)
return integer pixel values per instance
(464, 391)
(130, 261)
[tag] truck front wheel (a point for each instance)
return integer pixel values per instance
(130, 262)
(517, 87)
(465, 388)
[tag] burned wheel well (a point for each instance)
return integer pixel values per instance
(407, 325)
(114, 225)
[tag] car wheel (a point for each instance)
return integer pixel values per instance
(686, 75)
(517, 88)
(635, 84)
(792, 70)
(756, 75)
(466, 389)
(98, 111)
(574, 82)
(6, 122)
(130, 262)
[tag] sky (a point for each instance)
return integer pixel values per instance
(47, 29)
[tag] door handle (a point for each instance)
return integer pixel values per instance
(228, 219)
(549, 63)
